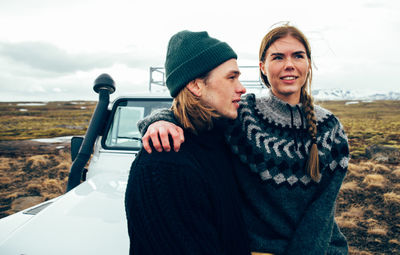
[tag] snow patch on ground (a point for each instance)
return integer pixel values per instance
(61, 139)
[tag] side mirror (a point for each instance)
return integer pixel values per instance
(76, 142)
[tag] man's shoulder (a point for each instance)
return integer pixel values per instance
(171, 167)
(165, 157)
(184, 157)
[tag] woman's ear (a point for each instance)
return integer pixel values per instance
(195, 87)
(262, 65)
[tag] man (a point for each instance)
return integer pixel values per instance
(186, 202)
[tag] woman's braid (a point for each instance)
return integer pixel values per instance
(312, 165)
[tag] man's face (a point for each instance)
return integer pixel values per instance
(222, 90)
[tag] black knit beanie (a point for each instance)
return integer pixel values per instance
(192, 54)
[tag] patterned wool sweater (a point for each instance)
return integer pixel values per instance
(285, 211)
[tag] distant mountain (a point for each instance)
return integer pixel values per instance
(340, 94)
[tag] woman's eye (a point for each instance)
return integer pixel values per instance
(299, 56)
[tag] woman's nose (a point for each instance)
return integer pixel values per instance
(289, 64)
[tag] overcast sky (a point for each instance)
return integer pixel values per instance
(54, 49)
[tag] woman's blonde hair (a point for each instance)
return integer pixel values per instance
(191, 112)
(276, 33)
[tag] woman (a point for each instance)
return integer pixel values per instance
(187, 202)
(293, 154)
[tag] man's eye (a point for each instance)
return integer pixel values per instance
(276, 58)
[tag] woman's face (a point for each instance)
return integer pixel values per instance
(286, 66)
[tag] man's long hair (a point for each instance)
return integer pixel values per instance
(192, 114)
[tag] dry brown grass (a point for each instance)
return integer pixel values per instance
(375, 227)
(52, 186)
(355, 251)
(381, 169)
(4, 180)
(396, 187)
(350, 219)
(368, 210)
(394, 241)
(351, 186)
(356, 170)
(34, 189)
(37, 162)
(28, 180)
(367, 165)
(375, 181)
(63, 165)
(392, 198)
(4, 163)
(11, 196)
(348, 223)
(377, 230)
(396, 172)
(354, 212)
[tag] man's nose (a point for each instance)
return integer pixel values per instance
(240, 88)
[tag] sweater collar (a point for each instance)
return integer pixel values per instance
(272, 108)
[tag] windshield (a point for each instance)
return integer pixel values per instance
(122, 132)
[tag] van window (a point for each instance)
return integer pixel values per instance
(122, 131)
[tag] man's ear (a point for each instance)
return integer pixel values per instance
(195, 87)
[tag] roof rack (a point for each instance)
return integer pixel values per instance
(249, 77)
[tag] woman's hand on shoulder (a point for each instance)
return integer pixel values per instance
(159, 133)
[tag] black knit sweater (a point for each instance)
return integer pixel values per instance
(185, 202)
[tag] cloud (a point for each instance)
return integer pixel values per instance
(48, 57)
(44, 71)
(56, 47)
(374, 4)
(21, 85)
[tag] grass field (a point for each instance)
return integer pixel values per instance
(368, 205)
(19, 121)
(366, 123)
